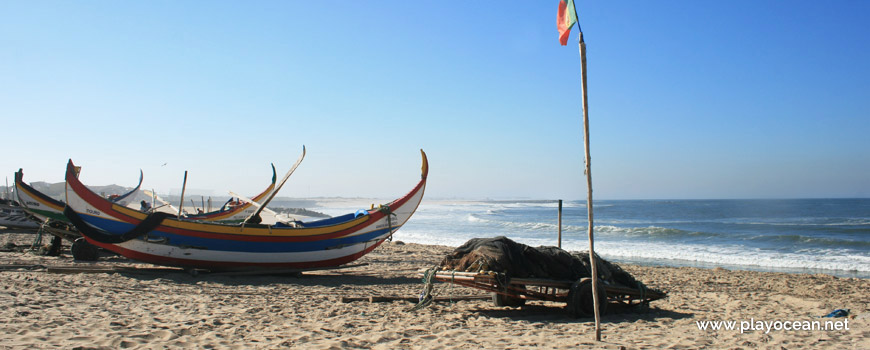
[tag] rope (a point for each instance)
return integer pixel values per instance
(426, 295)
(502, 281)
(388, 214)
(37, 241)
(384, 208)
(642, 290)
(644, 304)
(451, 284)
(147, 225)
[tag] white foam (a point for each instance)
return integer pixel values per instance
(733, 255)
(455, 222)
(674, 254)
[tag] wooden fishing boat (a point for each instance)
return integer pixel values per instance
(36, 203)
(235, 210)
(162, 239)
(13, 217)
(50, 212)
(577, 295)
(46, 208)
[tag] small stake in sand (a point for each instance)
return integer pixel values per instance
(183, 187)
(567, 17)
(560, 224)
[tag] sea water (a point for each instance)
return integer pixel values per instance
(796, 235)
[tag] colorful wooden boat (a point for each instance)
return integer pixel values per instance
(49, 212)
(235, 211)
(46, 208)
(163, 239)
(36, 203)
(13, 217)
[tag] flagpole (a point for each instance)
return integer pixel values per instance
(588, 171)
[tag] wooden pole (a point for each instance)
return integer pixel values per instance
(560, 224)
(183, 187)
(255, 217)
(588, 170)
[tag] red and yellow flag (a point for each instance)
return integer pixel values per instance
(567, 18)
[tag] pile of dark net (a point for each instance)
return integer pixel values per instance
(517, 260)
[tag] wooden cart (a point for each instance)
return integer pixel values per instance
(576, 294)
(80, 248)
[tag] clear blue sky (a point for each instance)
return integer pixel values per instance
(688, 99)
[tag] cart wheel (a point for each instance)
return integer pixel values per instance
(504, 300)
(84, 251)
(580, 301)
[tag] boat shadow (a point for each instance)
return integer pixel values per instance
(230, 279)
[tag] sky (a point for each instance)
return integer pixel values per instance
(687, 99)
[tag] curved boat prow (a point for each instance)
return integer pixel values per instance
(133, 191)
(402, 208)
(236, 213)
(35, 202)
(72, 173)
(425, 167)
(255, 217)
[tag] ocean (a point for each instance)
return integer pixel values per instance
(829, 236)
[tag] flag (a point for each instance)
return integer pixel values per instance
(566, 19)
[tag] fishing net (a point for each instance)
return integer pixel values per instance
(517, 260)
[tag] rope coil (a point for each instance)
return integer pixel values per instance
(426, 295)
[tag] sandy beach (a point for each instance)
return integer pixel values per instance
(55, 302)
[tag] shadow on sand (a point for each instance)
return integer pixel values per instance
(616, 313)
(327, 278)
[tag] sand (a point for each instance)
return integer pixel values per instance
(144, 307)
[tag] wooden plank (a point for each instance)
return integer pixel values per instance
(281, 271)
(387, 298)
(489, 282)
(466, 276)
(12, 267)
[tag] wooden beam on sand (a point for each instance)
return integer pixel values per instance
(282, 271)
(387, 298)
(13, 267)
(106, 269)
(254, 272)
(81, 269)
(130, 269)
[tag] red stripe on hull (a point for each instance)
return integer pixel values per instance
(167, 261)
(106, 206)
